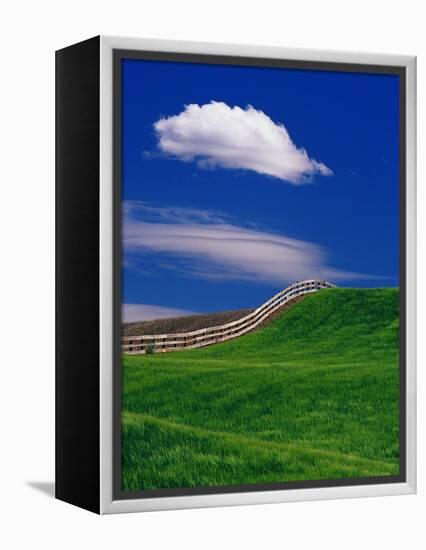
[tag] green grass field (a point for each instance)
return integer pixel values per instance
(312, 395)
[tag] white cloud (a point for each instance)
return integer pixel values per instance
(147, 312)
(218, 135)
(214, 248)
(170, 214)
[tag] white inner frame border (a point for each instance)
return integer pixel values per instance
(107, 504)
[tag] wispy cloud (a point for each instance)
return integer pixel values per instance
(216, 134)
(170, 214)
(209, 246)
(148, 312)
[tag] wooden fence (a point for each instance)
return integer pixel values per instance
(161, 343)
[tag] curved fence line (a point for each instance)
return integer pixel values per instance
(160, 343)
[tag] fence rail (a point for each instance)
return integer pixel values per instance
(161, 343)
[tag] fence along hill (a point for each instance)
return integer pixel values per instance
(162, 343)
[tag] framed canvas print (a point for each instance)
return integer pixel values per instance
(235, 283)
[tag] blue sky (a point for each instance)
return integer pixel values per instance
(239, 180)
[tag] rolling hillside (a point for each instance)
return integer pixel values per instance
(182, 324)
(311, 395)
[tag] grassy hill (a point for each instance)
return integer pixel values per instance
(312, 395)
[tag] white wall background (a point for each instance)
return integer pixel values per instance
(30, 31)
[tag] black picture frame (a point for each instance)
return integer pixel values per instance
(79, 366)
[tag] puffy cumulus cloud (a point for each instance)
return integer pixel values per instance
(148, 312)
(216, 134)
(205, 246)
